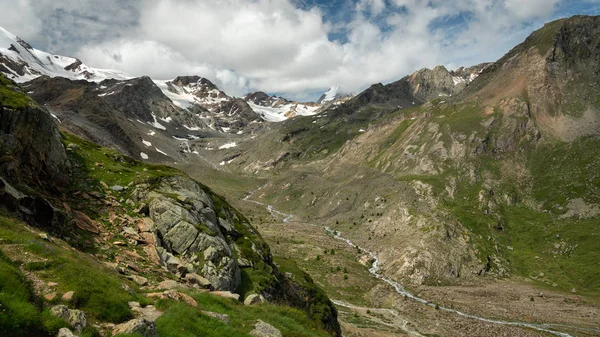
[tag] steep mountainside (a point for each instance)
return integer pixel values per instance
(446, 182)
(497, 180)
(148, 223)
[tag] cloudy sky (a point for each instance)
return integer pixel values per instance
(297, 48)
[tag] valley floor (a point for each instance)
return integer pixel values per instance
(370, 307)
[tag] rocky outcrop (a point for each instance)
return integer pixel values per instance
(33, 209)
(31, 150)
(202, 239)
(254, 299)
(190, 240)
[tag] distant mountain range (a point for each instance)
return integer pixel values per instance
(21, 63)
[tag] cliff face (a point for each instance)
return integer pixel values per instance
(30, 142)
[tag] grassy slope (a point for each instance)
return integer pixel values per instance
(182, 320)
(536, 241)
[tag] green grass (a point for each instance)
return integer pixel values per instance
(563, 171)
(183, 320)
(462, 118)
(98, 290)
(543, 38)
(22, 313)
(95, 163)
(20, 317)
(317, 300)
(564, 250)
(11, 98)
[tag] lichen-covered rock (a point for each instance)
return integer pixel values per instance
(141, 326)
(75, 318)
(263, 329)
(190, 239)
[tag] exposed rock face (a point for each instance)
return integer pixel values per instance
(117, 113)
(30, 144)
(428, 84)
(190, 238)
(201, 239)
(218, 110)
(34, 210)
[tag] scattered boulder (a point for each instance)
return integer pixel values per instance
(139, 280)
(222, 317)
(68, 296)
(145, 225)
(254, 299)
(84, 222)
(148, 312)
(117, 188)
(75, 318)
(263, 329)
(50, 296)
(198, 281)
(141, 326)
(169, 285)
(64, 332)
(127, 289)
(174, 295)
(226, 294)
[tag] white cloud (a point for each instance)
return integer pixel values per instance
(273, 46)
(14, 13)
(531, 8)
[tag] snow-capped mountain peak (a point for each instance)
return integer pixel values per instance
(22, 63)
(332, 96)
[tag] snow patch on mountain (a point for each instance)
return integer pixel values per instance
(23, 63)
(227, 146)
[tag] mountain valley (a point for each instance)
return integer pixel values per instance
(447, 203)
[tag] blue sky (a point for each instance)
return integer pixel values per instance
(297, 48)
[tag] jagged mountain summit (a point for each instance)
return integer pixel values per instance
(334, 96)
(21, 62)
(278, 109)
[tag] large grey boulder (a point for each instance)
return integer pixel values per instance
(141, 326)
(263, 329)
(75, 318)
(190, 239)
